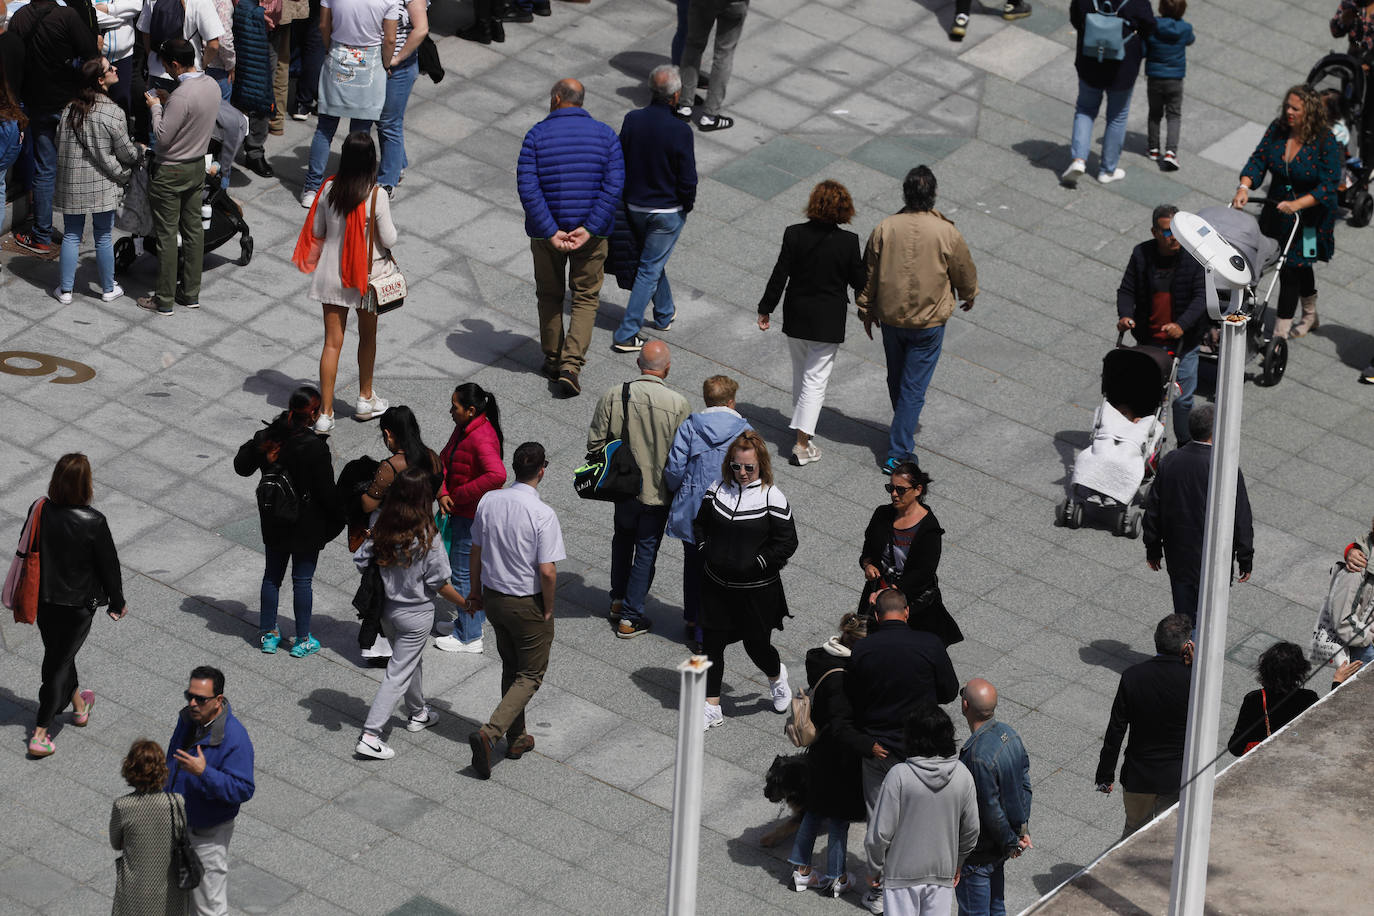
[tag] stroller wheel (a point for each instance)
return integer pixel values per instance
(1361, 209)
(1273, 362)
(1122, 521)
(124, 254)
(245, 250)
(1132, 526)
(1070, 514)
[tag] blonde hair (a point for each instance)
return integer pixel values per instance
(749, 440)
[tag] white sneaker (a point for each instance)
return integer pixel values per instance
(844, 882)
(873, 898)
(1070, 176)
(325, 423)
(1109, 177)
(372, 746)
(62, 296)
(454, 644)
(782, 691)
(307, 199)
(113, 294)
(804, 882)
(367, 408)
(424, 720)
(805, 454)
(714, 716)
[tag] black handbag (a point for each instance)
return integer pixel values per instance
(185, 861)
(611, 473)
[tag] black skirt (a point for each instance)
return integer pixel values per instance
(743, 613)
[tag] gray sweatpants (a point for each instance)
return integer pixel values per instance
(408, 630)
(727, 17)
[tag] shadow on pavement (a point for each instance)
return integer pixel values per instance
(1354, 348)
(1112, 654)
(222, 617)
(275, 387)
(1057, 875)
(833, 426)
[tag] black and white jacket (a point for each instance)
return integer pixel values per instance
(746, 536)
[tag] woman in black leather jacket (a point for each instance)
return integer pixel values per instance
(79, 572)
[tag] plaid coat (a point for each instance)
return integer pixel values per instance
(91, 178)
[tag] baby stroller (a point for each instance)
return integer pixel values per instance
(1345, 74)
(1112, 474)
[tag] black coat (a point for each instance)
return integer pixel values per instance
(52, 36)
(78, 566)
(1151, 701)
(1176, 514)
(917, 579)
(891, 672)
(306, 458)
(1282, 710)
(818, 264)
(1188, 290)
(834, 779)
(1114, 75)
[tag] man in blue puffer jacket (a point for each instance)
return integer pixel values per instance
(570, 176)
(252, 92)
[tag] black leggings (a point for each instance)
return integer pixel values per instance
(759, 649)
(1295, 281)
(64, 630)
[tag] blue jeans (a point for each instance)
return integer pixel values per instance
(805, 843)
(221, 76)
(466, 628)
(1365, 654)
(658, 233)
(634, 553)
(325, 127)
(302, 571)
(1085, 113)
(1187, 385)
(911, 357)
(43, 129)
(982, 890)
(73, 227)
(391, 126)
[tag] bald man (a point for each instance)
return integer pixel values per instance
(570, 177)
(995, 756)
(649, 412)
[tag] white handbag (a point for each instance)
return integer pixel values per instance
(386, 285)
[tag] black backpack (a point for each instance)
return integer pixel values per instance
(167, 20)
(278, 500)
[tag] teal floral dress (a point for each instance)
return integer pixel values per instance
(1315, 170)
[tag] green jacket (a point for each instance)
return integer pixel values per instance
(656, 411)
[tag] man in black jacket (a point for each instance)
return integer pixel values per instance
(1162, 301)
(1176, 514)
(1151, 701)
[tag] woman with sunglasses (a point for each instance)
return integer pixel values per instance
(902, 550)
(745, 533)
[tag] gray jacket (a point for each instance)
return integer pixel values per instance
(925, 822)
(93, 169)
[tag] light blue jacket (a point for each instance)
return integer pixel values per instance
(694, 463)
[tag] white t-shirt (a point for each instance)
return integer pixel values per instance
(201, 24)
(358, 22)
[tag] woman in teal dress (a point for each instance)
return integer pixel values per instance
(1303, 158)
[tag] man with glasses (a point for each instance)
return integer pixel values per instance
(210, 760)
(1162, 300)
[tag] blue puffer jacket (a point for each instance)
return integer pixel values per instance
(694, 463)
(253, 71)
(571, 173)
(214, 796)
(1165, 57)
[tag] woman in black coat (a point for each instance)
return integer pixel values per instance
(299, 510)
(79, 572)
(1104, 77)
(818, 265)
(902, 549)
(834, 791)
(1281, 670)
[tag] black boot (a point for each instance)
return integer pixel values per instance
(498, 30)
(479, 31)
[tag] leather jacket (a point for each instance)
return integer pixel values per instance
(79, 566)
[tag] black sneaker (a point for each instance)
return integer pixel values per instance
(1367, 376)
(515, 14)
(960, 27)
(543, 9)
(633, 345)
(629, 629)
(257, 164)
(1012, 11)
(567, 380)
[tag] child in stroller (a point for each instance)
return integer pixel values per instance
(1343, 82)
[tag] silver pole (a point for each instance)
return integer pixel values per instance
(1188, 887)
(687, 775)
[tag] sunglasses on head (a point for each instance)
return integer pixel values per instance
(895, 488)
(747, 468)
(196, 699)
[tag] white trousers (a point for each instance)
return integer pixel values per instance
(811, 365)
(920, 900)
(211, 897)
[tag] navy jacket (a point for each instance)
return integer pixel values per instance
(214, 796)
(660, 159)
(1176, 513)
(1114, 75)
(1152, 702)
(1001, 773)
(571, 173)
(891, 672)
(253, 92)
(1166, 57)
(1188, 289)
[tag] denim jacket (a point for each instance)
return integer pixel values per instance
(1001, 773)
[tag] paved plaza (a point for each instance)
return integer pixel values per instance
(855, 90)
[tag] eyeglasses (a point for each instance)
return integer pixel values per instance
(894, 488)
(196, 699)
(746, 468)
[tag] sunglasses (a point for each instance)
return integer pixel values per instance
(1167, 233)
(196, 699)
(746, 468)
(894, 488)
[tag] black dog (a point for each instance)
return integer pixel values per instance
(785, 782)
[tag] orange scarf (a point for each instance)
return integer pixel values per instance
(355, 264)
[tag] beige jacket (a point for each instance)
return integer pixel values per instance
(917, 263)
(656, 411)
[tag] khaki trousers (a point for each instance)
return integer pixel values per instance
(523, 639)
(280, 39)
(584, 271)
(1143, 807)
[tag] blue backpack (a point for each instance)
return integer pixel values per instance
(1104, 32)
(166, 20)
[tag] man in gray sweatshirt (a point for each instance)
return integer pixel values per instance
(182, 124)
(925, 822)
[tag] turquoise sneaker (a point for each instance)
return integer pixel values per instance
(303, 647)
(270, 640)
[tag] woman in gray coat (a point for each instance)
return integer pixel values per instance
(143, 825)
(95, 159)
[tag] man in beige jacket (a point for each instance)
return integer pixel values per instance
(655, 411)
(918, 264)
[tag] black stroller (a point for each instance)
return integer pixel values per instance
(1345, 74)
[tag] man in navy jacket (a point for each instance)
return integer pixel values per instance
(210, 759)
(660, 189)
(570, 177)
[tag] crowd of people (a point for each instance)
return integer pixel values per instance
(440, 532)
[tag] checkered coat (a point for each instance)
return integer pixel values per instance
(94, 170)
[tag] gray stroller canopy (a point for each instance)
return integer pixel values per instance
(1243, 232)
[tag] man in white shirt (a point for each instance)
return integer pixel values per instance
(516, 540)
(201, 26)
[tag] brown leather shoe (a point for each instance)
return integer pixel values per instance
(481, 754)
(519, 747)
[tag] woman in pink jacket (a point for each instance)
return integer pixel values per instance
(473, 464)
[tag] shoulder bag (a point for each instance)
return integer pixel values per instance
(1264, 702)
(185, 862)
(21, 583)
(611, 473)
(800, 729)
(386, 285)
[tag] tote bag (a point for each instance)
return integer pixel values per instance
(21, 583)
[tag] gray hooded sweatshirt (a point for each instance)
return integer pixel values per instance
(925, 822)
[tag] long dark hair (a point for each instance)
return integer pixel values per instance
(300, 409)
(92, 72)
(357, 173)
(475, 397)
(405, 432)
(404, 519)
(9, 105)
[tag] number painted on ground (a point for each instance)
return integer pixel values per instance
(46, 364)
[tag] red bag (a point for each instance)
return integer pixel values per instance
(21, 584)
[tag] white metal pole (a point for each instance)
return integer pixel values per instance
(1188, 888)
(687, 775)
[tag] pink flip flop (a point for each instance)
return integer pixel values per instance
(41, 747)
(80, 719)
